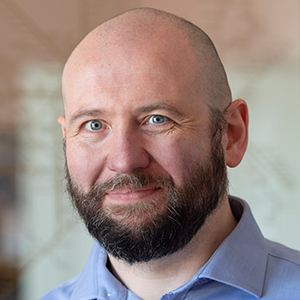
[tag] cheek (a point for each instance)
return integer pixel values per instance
(178, 157)
(84, 166)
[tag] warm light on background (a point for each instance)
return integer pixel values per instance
(42, 241)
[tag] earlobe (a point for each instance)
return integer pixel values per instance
(62, 121)
(237, 132)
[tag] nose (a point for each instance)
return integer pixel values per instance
(127, 152)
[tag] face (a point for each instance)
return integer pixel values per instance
(139, 151)
(134, 113)
(147, 230)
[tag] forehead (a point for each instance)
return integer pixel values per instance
(163, 64)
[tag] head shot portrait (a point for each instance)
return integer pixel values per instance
(149, 129)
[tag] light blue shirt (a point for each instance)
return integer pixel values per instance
(245, 266)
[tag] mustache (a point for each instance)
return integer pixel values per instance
(133, 182)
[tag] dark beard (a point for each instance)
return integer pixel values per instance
(163, 228)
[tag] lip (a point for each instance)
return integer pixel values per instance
(127, 195)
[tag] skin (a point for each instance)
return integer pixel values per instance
(123, 85)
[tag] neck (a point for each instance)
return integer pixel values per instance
(151, 280)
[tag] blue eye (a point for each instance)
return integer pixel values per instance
(94, 125)
(156, 119)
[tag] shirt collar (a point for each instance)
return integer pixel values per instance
(241, 259)
(95, 281)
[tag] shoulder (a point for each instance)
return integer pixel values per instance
(86, 284)
(283, 254)
(283, 271)
(62, 292)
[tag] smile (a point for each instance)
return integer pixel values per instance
(127, 194)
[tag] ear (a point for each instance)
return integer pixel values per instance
(237, 132)
(62, 121)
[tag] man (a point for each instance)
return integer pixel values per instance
(149, 128)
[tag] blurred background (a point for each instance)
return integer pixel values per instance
(42, 241)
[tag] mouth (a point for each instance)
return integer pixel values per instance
(130, 195)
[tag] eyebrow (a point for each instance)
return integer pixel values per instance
(86, 113)
(169, 108)
(144, 109)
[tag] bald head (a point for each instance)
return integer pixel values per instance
(175, 42)
(144, 96)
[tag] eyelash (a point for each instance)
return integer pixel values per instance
(100, 126)
(146, 122)
(86, 126)
(164, 119)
